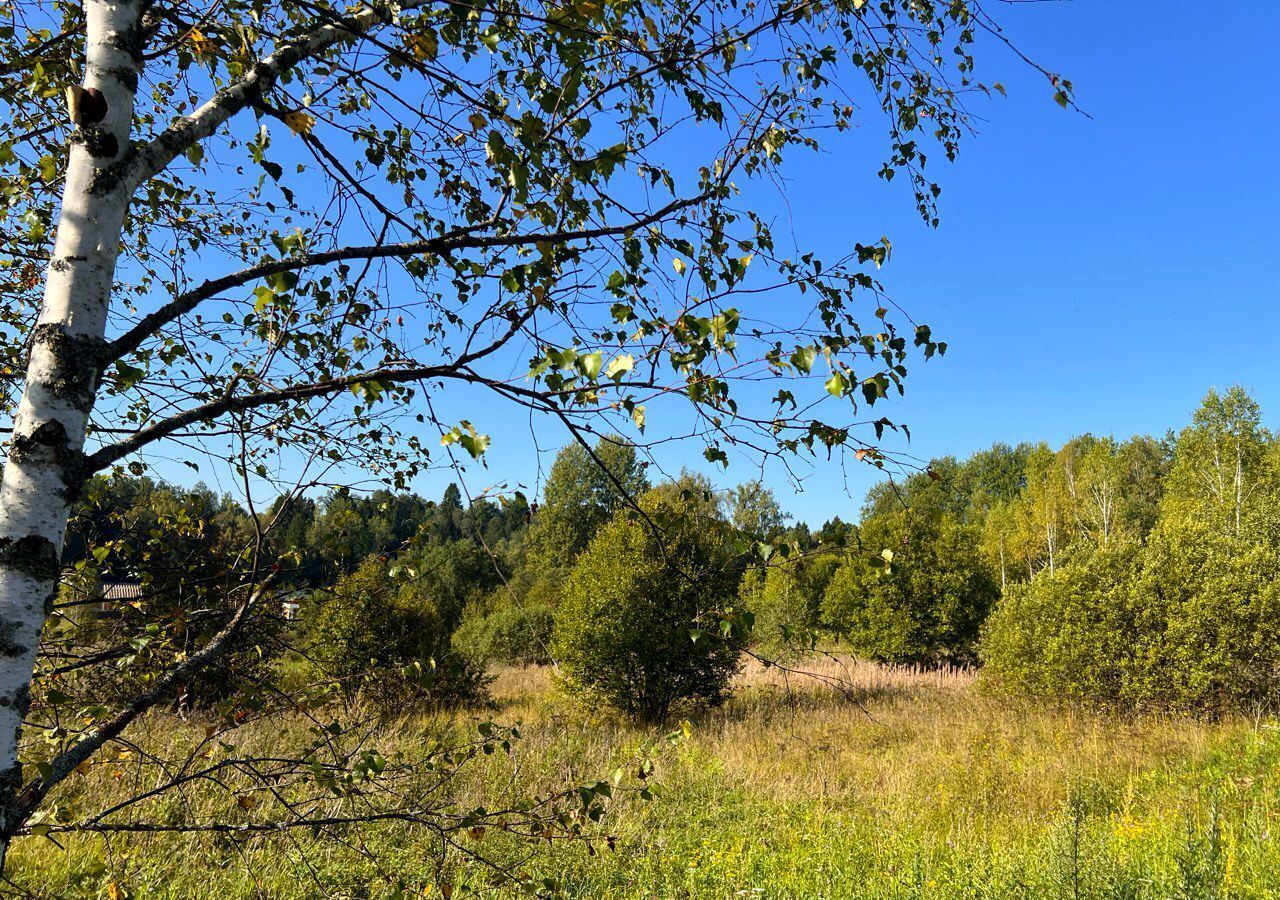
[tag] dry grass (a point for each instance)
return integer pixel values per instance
(896, 783)
(838, 671)
(820, 673)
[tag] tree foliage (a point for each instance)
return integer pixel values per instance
(785, 601)
(917, 593)
(518, 633)
(584, 489)
(639, 626)
(386, 630)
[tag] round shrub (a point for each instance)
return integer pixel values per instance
(1070, 634)
(918, 591)
(386, 633)
(639, 623)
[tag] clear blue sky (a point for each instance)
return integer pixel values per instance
(1090, 274)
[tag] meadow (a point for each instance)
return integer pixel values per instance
(913, 784)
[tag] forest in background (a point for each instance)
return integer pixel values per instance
(1131, 574)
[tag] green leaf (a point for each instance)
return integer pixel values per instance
(263, 297)
(619, 366)
(837, 385)
(803, 359)
(589, 364)
(127, 376)
(465, 435)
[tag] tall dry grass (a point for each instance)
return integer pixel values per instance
(851, 781)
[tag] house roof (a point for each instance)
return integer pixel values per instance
(121, 590)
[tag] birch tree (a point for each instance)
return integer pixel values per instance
(1045, 509)
(1222, 471)
(291, 232)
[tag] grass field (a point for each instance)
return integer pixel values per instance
(926, 787)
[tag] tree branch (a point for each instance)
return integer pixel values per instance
(460, 239)
(65, 762)
(152, 159)
(104, 457)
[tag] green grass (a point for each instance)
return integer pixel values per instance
(928, 790)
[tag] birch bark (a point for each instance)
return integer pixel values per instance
(42, 475)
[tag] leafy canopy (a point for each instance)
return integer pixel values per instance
(340, 210)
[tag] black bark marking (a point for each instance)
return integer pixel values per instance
(46, 435)
(126, 76)
(97, 141)
(10, 788)
(31, 555)
(49, 443)
(108, 178)
(77, 361)
(130, 41)
(63, 264)
(10, 645)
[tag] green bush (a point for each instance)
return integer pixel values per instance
(1212, 621)
(1189, 622)
(516, 633)
(786, 601)
(639, 623)
(1069, 634)
(386, 629)
(1208, 607)
(917, 591)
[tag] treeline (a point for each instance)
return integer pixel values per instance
(399, 595)
(1135, 574)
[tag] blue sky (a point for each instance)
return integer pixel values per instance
(1090, 274)
(1100, 274)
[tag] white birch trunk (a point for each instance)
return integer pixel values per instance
(43, 476)
(1004, 581)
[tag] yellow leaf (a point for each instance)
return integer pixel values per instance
(116, 892)
(679, 266)
(424, 46)
(477, 121)
(299, 122)
(201, 46)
